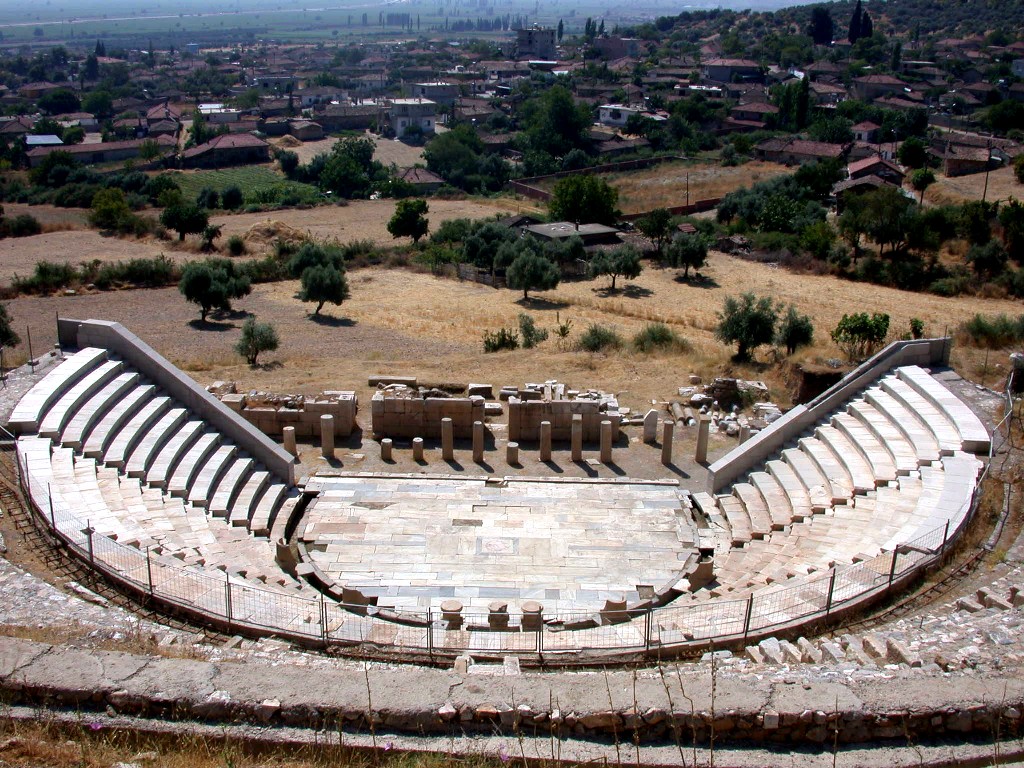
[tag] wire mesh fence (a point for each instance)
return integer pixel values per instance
(225, 599)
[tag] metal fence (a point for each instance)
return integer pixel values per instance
(232, 604)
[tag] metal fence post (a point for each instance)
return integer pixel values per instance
(323, 619)
(149, 571)
(540, 641)
(648, 627)
(831, 590)
(945, 539)
(430, 634)
(746, 619)
(227, 596)
(892, 567)
(49, 496)
(89, 532)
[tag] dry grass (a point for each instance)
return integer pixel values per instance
(1002, 185)
(399, 321)
(665, 185)
(387, 152)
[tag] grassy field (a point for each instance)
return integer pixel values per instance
(1002, 185)
(255, 181)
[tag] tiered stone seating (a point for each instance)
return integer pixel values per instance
(157, 469)
(886, 471)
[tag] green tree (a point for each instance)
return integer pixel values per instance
(584, 200)
(561, 30)
(256, 338)
(8, 336)
(530, 271)
(109, 209)
(185, 219)
(687, 252)
(988, 260)
(1011, 216)
(921, 179)
(59, 102)
(747, 321)
(913, 152)
(657, 226)
(1018, 168)
(212, 284)
(858, 335)
(315, 255)
(821, 27)
(795, 331)
(324, 283)
(554, 123)
(888, 213)
(99, 104)
(623, 262)
(409, 220)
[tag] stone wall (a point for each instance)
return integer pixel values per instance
(525, 416)
(414, 416)
(272, 413)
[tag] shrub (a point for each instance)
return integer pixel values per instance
(859, 335)
(657, 336)
(532, 335)
(208, 197)
(916, 328)
(22, 225)
(531, 271)
(8, 336)
(256, 337)
(598, 337)
(503, 338)
(47, 277)
(144, 273)
(993, 332)
(232, 198)
(315, 255)
(236, 245)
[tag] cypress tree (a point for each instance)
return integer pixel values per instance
(855, 23)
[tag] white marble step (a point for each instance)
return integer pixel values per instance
(166, 461)
(191, 462)
(973, 435)
(899, 448)
(942, 428)
(857, 467)
(229, 486)
(796, 492)
(266, 509)
(216, 464)
(146, 449)
(870, 448)
(819, 489)
(756, 509)
(775, 499)
(30, 409)
(60, 413)
(129, 435)
(115, 418)
(95, 408)
(926, 447)
(736, 515)
(244, 504)
(830, 467)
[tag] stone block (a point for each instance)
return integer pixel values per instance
(480, 390)
(382, 378)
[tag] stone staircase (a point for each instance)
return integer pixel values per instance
(144, 471)
(892, 466)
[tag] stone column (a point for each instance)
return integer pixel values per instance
(385, 449)
(417, 449)
(447, 440)
(667, 428)
(577, 437)
(545, 441)
(327, 436)
(512, 454)
(451, 613)
(606, 442)
(651, 426)
(744, 432)
(497, 614)
(533, 616)
(288, 436)
(478, 442)
(703, 432)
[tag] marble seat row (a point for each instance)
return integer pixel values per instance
(888, 469)
(93, 405)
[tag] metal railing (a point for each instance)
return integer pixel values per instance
(230, 603)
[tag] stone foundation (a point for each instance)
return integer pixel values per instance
(407, 415)
(271, 413)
